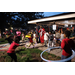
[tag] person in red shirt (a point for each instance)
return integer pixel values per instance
(11, 50)
(67, 44)
(41, 32)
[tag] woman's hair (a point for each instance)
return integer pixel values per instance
(67, 33)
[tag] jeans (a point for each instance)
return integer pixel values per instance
(45, 41)
(64, 57)
(50, 44)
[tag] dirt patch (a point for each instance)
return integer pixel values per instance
(2, 53)
(36, 58)
(2, 59)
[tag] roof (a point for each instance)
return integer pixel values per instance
(63, 16)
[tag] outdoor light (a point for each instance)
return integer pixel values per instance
(66, 25)
(11, 27)
(8, 23)
(6, 29)
(54, 27)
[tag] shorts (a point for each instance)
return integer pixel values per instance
(13, 56)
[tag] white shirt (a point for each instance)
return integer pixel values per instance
(62, 36)
(57, 35)
(34, 35)
(45, 36)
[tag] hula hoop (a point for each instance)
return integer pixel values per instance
(64, 60)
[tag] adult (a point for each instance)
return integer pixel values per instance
(41, 32)
(18, 34)
(57, 35)
(61, 36)
(46, 35)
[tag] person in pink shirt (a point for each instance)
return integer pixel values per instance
(11, 50)
(18, 34)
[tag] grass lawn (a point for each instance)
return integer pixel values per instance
(28, 55)
(3, 41)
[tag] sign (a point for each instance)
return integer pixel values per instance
(54, 27)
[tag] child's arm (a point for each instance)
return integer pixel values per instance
(21, 44)
(63, 44)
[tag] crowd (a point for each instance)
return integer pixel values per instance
(47, 39)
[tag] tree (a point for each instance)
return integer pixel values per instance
(17, 19)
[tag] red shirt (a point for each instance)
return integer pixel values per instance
(12, 47)
(66, 45)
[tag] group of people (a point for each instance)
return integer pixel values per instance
(49, 37)
(62, 37)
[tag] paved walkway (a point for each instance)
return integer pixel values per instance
(57, 52)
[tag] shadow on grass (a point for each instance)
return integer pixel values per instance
(20, 50)
(33, 60)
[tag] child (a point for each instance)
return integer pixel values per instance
(34, 37)
(46, 38)
(31, 40)
(66, 45)
(18, 34)
(51, 39)
(11, 50)
(23, 36)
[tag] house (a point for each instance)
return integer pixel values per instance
(61, 20)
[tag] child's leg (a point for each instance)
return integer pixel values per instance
(14, 57)
(10, 54)
(46, 42)
(49, 43)
(29, 45)
(52, 44)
